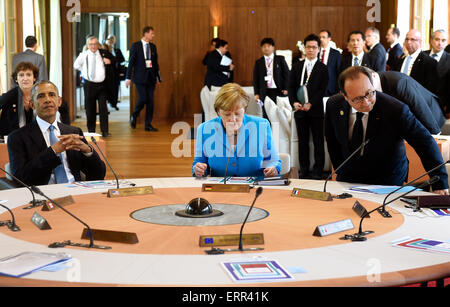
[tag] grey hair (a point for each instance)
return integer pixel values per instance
(441, 31)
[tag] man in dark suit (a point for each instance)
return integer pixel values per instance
(361, 113)
(447, 49)
(438, 42)
(423, 104)
(312, 74)
(395, 50)
(218, 74)
(417, 64)
(47, 152)
(270, 74)
(143, 71)
(376, 50)
(332, 58)
(30, 55)
(357, 57)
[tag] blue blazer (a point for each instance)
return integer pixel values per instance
(384, 160)
(255, 148)
(334, 66)
(137, 72)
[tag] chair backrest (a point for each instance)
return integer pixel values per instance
(8, 169)
(285, 163)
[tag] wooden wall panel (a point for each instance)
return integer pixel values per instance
(191, 49)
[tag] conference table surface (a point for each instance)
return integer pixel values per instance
(171, 256)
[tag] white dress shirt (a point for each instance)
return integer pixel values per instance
(327, 55)
(85, 67)
(413, 59)
(439, 55)
(44, 126)
(352, 120)
(360, 58)
(308, 68)
(270, 70)
(144, 48)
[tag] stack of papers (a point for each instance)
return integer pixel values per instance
(273, 181)
(380, 189)
(29, 262)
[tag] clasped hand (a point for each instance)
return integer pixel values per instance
(71, 142)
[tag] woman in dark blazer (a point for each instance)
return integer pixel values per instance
(15, 105)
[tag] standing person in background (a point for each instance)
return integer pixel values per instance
(218, 74)
(312, 75)
(376, 50)
(270, 74)
(91, 64)
(118, 60)
(30, 55)
(356, 56)
(143, 71)
(395, 50)
(332, 58)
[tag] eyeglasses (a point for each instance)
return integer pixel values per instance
(411, 39)
(359, 100)
(312, 47)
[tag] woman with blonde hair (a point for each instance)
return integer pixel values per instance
(236, 142)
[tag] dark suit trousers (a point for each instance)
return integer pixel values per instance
(145, 99)
(94, 92)
(316, 125)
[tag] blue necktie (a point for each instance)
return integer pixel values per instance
(405, 70)
(147, 51)
(60, 172)
(434, 56)
(356, 62)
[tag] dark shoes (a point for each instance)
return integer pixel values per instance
(151, 128)
(133, 122)
(106, 134)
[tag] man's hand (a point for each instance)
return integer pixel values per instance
(256, 98)
(107, 61)
(441, 192)
(128, 83)
(71, 142)
(231, 67)
(284, 92)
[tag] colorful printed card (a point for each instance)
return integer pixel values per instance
(426, 245)
(256, 271)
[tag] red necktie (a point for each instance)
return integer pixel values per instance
(323, 56)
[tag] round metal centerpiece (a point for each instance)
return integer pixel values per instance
(166, 215)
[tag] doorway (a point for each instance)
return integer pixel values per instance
(102, 25)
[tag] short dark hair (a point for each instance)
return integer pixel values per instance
(147, 29)
(30, 41)
(221, 43)
(353, 73)
(22, 66)
(328, 32)
(396, 31)
(215, 40)
(35, 88)
(356, 32)
(312, 38)
(268, 40)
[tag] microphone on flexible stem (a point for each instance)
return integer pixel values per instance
(345, 195)
(226, 169)
(34, 203)
(383, 211)
(258, 192)
(89, 232)
(11, 224)
(360, 236)
(106, 160)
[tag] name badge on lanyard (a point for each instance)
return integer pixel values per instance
(148, 64)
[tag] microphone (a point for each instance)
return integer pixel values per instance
(106, 160)
(258, 192)
(360, 236)
(11, 224)
(34, 203)
(342, 164)
(89, 232)
(226, 169)
(383, 211)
